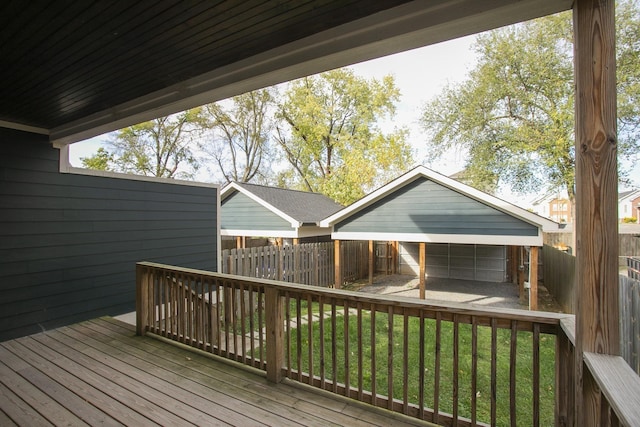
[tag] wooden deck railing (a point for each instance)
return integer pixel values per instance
(448, 364)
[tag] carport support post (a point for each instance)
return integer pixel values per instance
(513, 257)
(533, 278)
(520, 259)
(423, 262)
(371, 262)
(338, 269)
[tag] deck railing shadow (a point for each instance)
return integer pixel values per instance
(450, 364)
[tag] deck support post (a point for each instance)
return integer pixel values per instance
(142, 299)
(274, 309)
(337, 266)
(423, 262)
(372, 262)
(596, 228)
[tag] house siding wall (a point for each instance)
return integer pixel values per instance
(239, 212)
(69, 243)
(425, 207)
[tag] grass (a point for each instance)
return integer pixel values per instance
(381, 346)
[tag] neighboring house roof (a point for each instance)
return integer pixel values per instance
(629, 194)
(423, 205)
(258, 210)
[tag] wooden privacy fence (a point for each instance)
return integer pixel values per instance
(308, 264)
(630, 321)
(559, 272)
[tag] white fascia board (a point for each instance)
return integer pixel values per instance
(259, 233)
(313, 231)
(467, 239)
(233, 186)
(422, 171)
(24, 128)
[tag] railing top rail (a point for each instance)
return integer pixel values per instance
(397, 301)
(619, 383)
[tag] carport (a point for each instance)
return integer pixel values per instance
(467, 232)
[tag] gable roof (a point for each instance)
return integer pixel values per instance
(419, 172)
(629, 194)
(296, 207)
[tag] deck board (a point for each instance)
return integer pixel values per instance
(100, 373)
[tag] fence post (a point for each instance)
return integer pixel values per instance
(142, 299)
(274, 308)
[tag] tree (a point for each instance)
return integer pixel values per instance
(514, 115)
(240, 142)
(102, 160)
(160, 147)
(330, 137)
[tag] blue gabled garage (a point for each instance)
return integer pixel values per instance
(444, 228)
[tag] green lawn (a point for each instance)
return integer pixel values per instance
(524, 381)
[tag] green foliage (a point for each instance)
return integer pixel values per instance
(160, 147)
(240, 145)
(102, 160)
(330, 139)
(514, 115)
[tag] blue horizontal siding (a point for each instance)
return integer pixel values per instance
(69, 243)
(239, 212)
(425, 207)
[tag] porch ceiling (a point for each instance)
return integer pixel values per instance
(78, 69)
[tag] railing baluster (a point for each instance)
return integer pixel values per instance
(436, 382)
(347, 355)
(374, 393)
(405, 365)
(421, 368)
(299, 337)
(456, 368)
(494, 369)
(261, 326)
(390, 358)
(536, 375)
(310, 335)
(252, 325)
(334, 361)
(322, 349)
(360, 355)
(474, 369)
(512, 372)
(287, 309)
(243, 323)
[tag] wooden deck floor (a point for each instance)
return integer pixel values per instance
(99, 373)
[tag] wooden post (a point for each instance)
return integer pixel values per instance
(142, 299)
(296, 241)
(596, 279)
(513, 257)
(338, 269)
(520, 259)
(396, 248)
(372, 262)
(533, 278)
(423, 262)
(274, 309)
